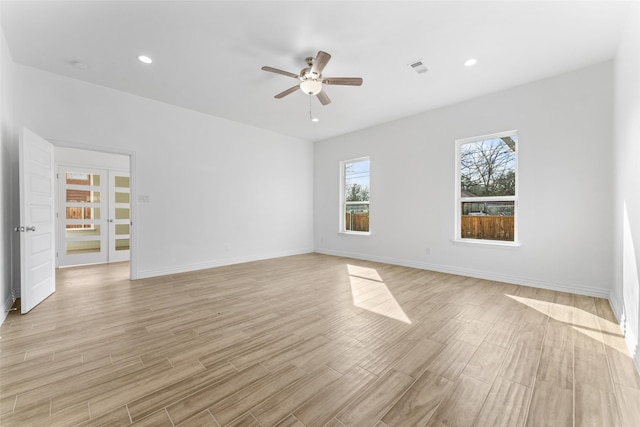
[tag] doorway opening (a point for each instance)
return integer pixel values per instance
(93, 207)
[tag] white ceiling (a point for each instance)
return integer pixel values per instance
(207, 54)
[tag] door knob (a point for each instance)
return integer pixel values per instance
(32, 228)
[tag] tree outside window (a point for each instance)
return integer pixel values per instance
(355, 195)
(486, 195)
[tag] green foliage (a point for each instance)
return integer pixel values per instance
(356, 193)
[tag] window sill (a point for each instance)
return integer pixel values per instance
(355, 233)
(491, 243)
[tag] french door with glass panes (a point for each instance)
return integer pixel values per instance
(119, 216)
(93, 216)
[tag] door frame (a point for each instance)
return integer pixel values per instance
(133, 257)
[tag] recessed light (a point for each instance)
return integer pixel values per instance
(315, 119)
(470, 62)
(145, 59)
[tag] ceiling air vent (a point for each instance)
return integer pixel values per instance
(419, 67)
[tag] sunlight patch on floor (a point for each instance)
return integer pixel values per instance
(371, 293)
(588, 324)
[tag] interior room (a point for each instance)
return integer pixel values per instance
(331, 213)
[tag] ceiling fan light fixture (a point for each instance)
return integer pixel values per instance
(311, 80)
(311, 87)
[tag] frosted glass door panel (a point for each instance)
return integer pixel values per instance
(83, 247)
(83, 196)
(122, 229)
(83, 230)
(122, 197)
(122, 244)
(119, 216)
(122, 213)
(121, 181)
(82, 213)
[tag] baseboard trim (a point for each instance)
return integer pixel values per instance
(8, 303)
(143, 274)
(618, 312)
(616, 307)
(515, 280)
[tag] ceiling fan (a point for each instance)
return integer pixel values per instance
(311, 79)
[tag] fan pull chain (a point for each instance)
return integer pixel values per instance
(313, 119)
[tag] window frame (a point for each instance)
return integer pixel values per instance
(343, 203)
(459, 199)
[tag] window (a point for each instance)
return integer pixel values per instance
(486, 190)
(354, 216)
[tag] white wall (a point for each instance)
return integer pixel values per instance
(625, 297)
(90, 159)
(564, 127)
(8, 140)
(219, 192)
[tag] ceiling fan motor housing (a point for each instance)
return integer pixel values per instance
(307, 73)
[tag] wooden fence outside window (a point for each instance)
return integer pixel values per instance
(356, 222)
(487, 227)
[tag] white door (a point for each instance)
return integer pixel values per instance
(119, 216)
(37, 220)
(82, 216)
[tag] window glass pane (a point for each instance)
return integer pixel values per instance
(356, 176)
(122, 244)
(356, 217)
(356, 181)
(122, 213)
(122, 181)
(488, 167)
(81, 178)
(83, 196)
(122, 197)
(83, 247)
(488, 220)
(492, 208)
(83, 213)
(122, 229)
(82, 230)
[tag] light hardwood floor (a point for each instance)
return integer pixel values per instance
(313, 340)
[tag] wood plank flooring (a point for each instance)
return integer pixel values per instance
(313, 340)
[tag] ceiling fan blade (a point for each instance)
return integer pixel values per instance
(349, 81)
(277, 71)
(287, 92)
(320, 62)
(323, 98)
